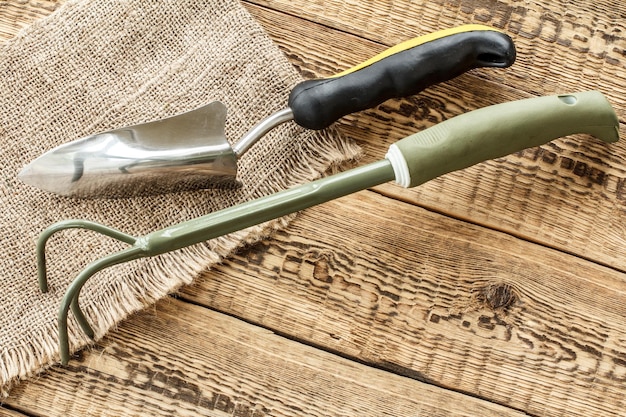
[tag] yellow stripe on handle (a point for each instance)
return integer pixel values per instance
(411, 43)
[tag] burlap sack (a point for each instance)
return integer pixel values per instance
(95, 65)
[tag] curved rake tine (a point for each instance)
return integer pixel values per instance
(71, 295)
(71, 224)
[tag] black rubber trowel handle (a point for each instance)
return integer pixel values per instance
(400, 71)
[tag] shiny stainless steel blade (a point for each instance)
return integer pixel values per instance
(182, 152)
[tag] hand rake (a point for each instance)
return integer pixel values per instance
(455, 144)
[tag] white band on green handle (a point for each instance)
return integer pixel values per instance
(499, 130)
(399, 165)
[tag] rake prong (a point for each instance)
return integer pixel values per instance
(71, 295)
(42, 275)
(81, 318)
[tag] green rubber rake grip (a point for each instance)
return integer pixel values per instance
(499, 130)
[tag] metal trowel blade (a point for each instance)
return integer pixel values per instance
(188, 151)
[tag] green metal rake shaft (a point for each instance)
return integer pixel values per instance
(202, 229)
(455, 144)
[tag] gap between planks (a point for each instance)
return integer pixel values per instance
(382, 191)
(6, 411)
(189, 360)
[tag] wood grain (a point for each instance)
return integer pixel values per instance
(181, 359)
(432, 298)
(568, 194)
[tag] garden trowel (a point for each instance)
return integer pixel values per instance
(190, 151)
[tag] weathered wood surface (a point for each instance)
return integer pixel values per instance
(223, 366)
(509, 286)
(432, 298)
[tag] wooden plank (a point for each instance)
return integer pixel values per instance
(562, 43)
(568, 194)
(186, 360)
(432, 298)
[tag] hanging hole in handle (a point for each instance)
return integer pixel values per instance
(568, 99)
(493, 60)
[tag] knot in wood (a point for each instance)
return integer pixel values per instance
(500, 296)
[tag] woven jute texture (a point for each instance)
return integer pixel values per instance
(95, 65)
